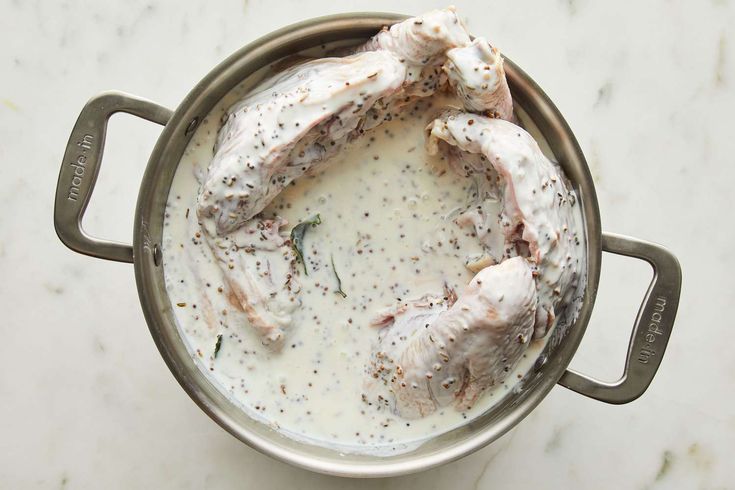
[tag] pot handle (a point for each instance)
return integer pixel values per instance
(651, 330)
(81, 165)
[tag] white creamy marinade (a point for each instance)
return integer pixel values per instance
(406, 241)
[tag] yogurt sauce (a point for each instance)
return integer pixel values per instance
(386, 232)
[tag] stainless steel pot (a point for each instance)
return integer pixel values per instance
(81, 164)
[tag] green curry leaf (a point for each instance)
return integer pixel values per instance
(297, 238)
(217, 345)
(339, 281)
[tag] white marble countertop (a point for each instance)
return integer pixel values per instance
(88, 403)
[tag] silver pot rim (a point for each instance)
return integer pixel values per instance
(74, 190)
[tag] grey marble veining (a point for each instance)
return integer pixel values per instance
(88, 403)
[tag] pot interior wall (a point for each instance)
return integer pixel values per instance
(161, 320)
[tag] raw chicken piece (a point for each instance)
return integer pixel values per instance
(537, 204)
(432, 355)
(268, 140)
(277, 134)
(294, 122)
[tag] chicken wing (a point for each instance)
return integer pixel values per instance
(431, 354)
(537, 212)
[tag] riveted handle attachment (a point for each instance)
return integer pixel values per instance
(651, 330)
(81, 165)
